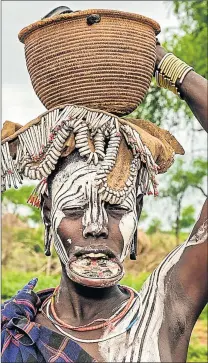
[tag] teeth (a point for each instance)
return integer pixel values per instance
(94, 255)
(97, 255)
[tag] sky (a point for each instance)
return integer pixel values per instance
(20, 104)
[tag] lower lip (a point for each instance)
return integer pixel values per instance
(95, 274)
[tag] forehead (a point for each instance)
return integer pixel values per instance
(75, 183)
(75, 172)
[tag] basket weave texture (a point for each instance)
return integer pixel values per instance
(107, 65)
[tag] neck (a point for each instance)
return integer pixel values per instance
(78, 305)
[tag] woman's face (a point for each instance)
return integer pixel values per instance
(91, 237)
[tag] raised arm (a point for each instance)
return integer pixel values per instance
(190, 273)
(193, 90)
(192, 266)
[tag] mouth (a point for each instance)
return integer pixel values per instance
(95, 268)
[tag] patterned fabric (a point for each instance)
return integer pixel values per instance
(23, 340)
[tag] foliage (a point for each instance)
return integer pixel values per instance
(204, 314)
(135, 281)
(189, 44)
(192, 46)
(154, 226)
(14, 198)
(143, 215)
(154, 106)
(196, 173)
(15, 280)
(179, 179)
(197, 353)
(163, 108)
(23, 247)
(187, 217)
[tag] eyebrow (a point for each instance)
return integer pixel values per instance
(71, 206)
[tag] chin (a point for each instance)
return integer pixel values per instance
(95, 267)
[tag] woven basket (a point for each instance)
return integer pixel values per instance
(107, 65)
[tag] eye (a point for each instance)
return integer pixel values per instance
(116, 210)
(74, 213)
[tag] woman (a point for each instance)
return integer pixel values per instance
(89, 317)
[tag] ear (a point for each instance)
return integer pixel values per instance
(46, 209)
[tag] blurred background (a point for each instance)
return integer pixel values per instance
(167, 220)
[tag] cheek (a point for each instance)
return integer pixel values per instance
(65, 232)
(70, 230)
(127, 226)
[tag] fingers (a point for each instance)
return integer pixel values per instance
(30, 285)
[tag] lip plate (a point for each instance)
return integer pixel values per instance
(98, 282)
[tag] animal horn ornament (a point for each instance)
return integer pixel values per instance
(98, 137)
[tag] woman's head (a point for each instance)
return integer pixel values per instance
(91, 236)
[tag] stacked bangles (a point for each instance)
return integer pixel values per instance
(170, 70)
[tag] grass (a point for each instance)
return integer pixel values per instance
(13, 281)
(197, 352)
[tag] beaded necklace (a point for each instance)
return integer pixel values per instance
(56, 320)
(122, 311)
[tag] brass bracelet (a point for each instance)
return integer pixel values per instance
(163, 59)
(166, 67)
(167, 70)
(175, 69)
(170, 70)
(178, 72)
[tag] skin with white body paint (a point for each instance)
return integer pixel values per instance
(74, 188)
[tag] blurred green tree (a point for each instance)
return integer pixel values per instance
(192, 47)
(154, 226)
(187, 217)
(179, 179)
(189, 44)
(13, 199)
(143, 216)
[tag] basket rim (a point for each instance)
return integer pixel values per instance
(80, 14)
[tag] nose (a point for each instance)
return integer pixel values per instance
(94, 230)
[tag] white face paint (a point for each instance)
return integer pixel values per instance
(74, 187)
(128, 223)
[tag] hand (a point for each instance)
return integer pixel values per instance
(160, 52)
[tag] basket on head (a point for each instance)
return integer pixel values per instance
(102, 59)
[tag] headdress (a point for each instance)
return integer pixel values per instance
(121, 147)
(89, 60)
